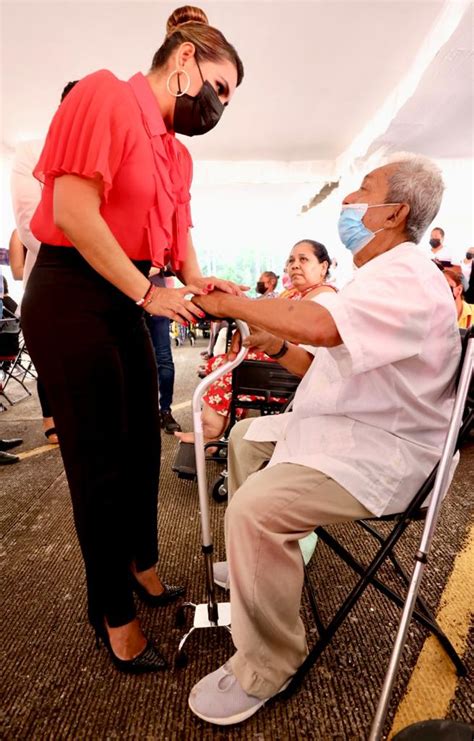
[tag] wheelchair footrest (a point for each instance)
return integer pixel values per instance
(185, 462)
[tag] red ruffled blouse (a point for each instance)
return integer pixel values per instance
(114, 129)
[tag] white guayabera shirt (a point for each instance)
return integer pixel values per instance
(373, 413)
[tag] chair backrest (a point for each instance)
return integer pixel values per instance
(467, 338)
(9, 336)
(263, 378)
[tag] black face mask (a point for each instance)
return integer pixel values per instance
(198, 114)
(261, 287)
(435, 242)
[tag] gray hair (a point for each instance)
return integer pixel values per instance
(417, 181)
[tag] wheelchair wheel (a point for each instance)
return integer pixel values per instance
(181, 660)
(180, 619)
(218, 489)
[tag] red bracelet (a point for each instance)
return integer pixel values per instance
(148, 297)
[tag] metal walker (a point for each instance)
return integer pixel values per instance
(210, 614)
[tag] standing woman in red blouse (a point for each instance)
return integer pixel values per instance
(115, 201)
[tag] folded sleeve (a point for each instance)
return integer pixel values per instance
(380, 321)
(88, 134)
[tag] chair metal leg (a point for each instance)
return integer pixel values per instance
(10, 375)
(427, 619)
(379, 537)
(341, 614)
(314, 604)
(397, 566)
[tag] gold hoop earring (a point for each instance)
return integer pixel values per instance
(188, 82)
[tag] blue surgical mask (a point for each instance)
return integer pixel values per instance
(352, 231)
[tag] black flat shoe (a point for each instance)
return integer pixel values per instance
(149, 660)
(170, 593)
(8, 458)
(13, 442)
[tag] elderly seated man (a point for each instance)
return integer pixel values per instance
(367, 426)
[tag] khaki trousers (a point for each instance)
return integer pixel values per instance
(269, 510)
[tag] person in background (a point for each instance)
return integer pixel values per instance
(8, 302)
(6, 458)
(288, 290)
(115, 201)
(468, 275)
(464, 310)
(266, 285)
(334, 272)
(159, 328)
(26, 195)
(439, 252)
(26, 192)
(17, 255)
(265, 288)
(307, 266)
(9, 313)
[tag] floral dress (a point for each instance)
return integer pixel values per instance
(219, 395)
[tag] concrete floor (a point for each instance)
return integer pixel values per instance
(56, 685)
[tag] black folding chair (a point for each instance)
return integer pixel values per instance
(459, 429)
(15, 362)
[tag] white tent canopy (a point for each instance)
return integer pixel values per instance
(326, 85)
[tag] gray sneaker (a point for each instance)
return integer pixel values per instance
(219, 698)
(221, 574)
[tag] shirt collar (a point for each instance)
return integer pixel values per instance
(148, 105)
(384, 258)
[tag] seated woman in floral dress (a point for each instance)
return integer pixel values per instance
(307, 267)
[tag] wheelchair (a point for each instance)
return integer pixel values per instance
(267, 382)
(264, 381)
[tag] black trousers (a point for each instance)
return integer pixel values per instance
(93, 353)
(43, 399)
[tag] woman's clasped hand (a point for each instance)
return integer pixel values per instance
(176, 303)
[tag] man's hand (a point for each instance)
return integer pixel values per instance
(235, 345)
(264, 341)
(213, 304)
(257, 339)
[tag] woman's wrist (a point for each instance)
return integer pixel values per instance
(139, 287)
(151, 303)
(147, 297)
